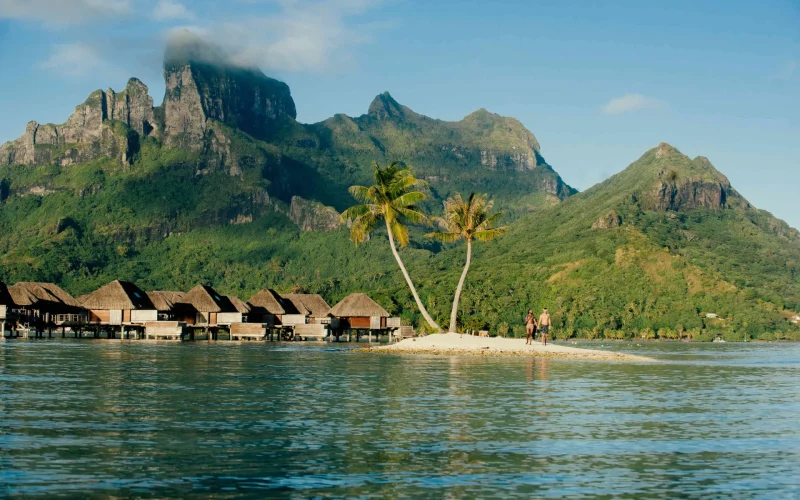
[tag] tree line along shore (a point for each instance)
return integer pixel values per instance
(392, 201)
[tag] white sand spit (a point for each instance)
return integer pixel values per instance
(454, 343)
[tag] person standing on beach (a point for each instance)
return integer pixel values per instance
(530, 327)
(544, 325)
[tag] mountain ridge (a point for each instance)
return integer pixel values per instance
(221, 184)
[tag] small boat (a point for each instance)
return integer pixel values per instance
(718, 339)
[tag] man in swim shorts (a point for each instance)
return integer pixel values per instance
(544, 325)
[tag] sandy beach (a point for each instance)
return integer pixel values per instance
(454, 343)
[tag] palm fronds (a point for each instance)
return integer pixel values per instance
(392, 198)
(468, 219)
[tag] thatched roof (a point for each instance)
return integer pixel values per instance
(27, 293)
(22, 297)
(312, 303)
(358, 305)
(118, 295)
(165, 301)
(50, 292)
(240, 305)
(206, 299)
(268, 300)
(5, 297)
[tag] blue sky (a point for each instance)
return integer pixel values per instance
(597, 83)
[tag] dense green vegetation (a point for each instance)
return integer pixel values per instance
(469, 220)
(175, 218)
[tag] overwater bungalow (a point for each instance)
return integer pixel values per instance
(212, 308)
(6, 305)
(266, 307)
(312, 305)
(173, 316)
(359, 312)
(312, 319)
(120, 304)
(241, 306)
(45, 306)
(171, 306)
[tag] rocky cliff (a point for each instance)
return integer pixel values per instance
(227, 127)
(201, 88)
(312, 215)
(684, 184)
(106, 124)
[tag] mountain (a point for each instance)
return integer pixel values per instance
(659, 245)
(234, 119)
(483, 151)
(220, 184)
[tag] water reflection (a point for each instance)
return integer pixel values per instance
(154, 420)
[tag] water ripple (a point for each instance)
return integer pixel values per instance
(104, 418)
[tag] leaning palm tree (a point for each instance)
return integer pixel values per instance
(468, 220)
(393, 199)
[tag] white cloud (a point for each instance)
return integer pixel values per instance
(62, 12)
(73, 59)
(169, 10)
(629, 102)
(303, 35)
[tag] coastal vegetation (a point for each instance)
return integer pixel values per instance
(466, 220)
(392, 199)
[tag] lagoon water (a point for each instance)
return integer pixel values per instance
(113, 418)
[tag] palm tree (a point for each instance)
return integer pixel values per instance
(393, 199)
(468, 220)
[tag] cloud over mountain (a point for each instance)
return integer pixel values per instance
(169, 10)
(301, 35)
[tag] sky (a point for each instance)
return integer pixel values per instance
(598, 83)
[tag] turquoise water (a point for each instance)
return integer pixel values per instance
(111, 418)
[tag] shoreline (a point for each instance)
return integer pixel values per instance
(466, 345)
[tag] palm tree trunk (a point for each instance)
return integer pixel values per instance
(459, 288)
(421, 307)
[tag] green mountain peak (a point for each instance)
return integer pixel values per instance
(663, 178)
(384, 106)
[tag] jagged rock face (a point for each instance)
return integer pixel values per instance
(668, 180)
(609, 221)
(312, 215)
(184, 118)
(88, 133)
(133, 107)
(519, 161)
(241, 98)
(686, 195)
